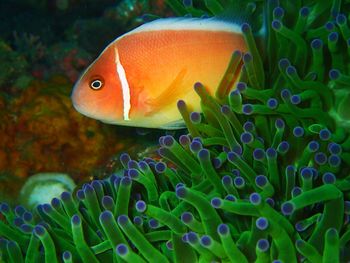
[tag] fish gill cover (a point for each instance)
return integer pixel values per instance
(263, 174)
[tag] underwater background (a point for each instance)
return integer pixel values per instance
(44, 47)
(261, 175)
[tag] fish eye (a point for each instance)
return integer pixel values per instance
(96, 83)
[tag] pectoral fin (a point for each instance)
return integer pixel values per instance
(171, 94)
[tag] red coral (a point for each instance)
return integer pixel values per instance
(41, 132)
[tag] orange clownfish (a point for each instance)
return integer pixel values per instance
(139, 77)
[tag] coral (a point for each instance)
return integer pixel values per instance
(67, 59)
(36, 136)
(64, 46)
(43, 187)
(13, 66)
(30, 46)
(263, 174)
(63, 58)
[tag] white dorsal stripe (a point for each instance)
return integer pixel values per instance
(208, 24)
(125, 86)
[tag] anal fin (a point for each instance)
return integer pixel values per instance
(174, 125)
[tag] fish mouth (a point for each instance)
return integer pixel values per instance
(90, 108)
(87, 111)
(83, 108)
(77, 106)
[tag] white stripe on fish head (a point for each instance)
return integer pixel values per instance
(125, 85)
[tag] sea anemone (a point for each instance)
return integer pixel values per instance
(262, 175)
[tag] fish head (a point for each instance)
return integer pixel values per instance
(98, 93)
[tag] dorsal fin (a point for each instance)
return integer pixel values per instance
(185, 23)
